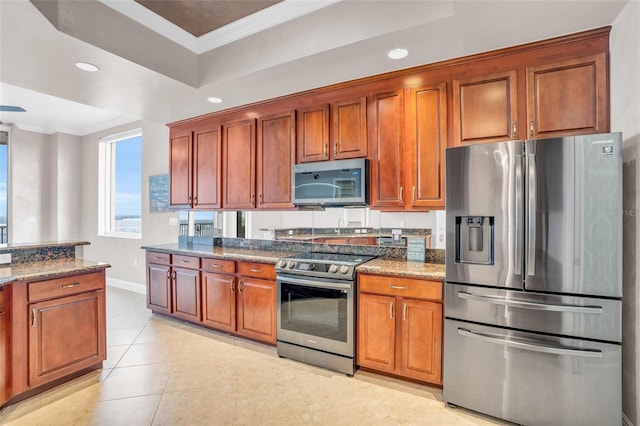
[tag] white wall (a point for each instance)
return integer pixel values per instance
(29, 187)
(625, 117)
(124, 255)
(65, 196)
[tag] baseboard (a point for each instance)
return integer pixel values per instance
(126, 285)
(626, 421)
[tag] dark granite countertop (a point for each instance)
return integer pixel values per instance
(48, 268)
(42, 244)
(379, 266)
(252, 255)
(403, 268)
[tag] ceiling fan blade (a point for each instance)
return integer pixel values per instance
(10, 108)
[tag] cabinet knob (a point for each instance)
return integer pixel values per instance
(335, 149)
(253, 198)
(326, 148)
(401, 193)
(240, 286)
(404, 312)
(413, 195)
(34, 315)
(391, 310)
(232, 285)
(514, 132)
(260, 198)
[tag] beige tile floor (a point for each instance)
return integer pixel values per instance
(165, 372)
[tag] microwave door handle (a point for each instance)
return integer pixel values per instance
(519, 231)
(544, 348)
(531, 222)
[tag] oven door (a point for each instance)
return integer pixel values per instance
(316, 313)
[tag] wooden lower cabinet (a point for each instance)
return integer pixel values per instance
(219, 301)
(159, 282)
(66, 335)
(235, 297)
(400, 327)
(5, 346)
(256, 309)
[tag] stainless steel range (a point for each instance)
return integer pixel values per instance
(316, 309)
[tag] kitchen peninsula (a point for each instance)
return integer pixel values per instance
(52, 317)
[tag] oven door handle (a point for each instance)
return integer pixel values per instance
(315, 283)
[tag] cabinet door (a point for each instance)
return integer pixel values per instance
(276, 157)
(485, 108)
(186, 294)
(5, 352)
(239, 144)
(207, 168)
(256, 304)
(219, 301)
(158, 288)
(568, 97)
(427, 139)
(313, 133)
(376, 332)
(180, 163)
(65, 335)
(349, 128)
(386, 130)
(422, 340)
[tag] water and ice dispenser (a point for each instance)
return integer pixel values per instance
(474, 239)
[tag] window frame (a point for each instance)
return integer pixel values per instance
(106, 185)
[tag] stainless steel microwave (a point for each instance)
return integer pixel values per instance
(331, 183)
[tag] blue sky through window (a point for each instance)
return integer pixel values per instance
(128, 178)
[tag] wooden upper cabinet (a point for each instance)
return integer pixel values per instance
(276, 157)
(568, 97)
(485, 108)
(333, 131)
(426, 141)
(386, 137)
(238, 156)
(180, 170)
(207, 168)
(195, 168)
(349, 128)
(313, 133)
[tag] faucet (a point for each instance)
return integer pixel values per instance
(339, 225)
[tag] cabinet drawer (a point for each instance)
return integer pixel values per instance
(405, 287)
(257, 270)
(65, 286)
(219, 265)
(186, 261)
(159, 258)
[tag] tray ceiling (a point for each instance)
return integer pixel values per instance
(203, 16)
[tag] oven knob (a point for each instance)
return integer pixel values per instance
(282, 263)
(344, 269)
(333, 269)
(291, 264)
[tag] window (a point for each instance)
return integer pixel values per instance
(120, 190)
(4, 194)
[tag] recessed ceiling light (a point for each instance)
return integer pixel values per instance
(85, 66)
(214, 100)
(397, 53)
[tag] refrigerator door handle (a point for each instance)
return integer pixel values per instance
(542, 347)
(531, 305)
(531, 217)
(519, 215)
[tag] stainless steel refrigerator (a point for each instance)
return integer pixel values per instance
(533, 293)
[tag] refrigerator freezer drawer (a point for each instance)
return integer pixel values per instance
(532, 379)
(582, 317)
